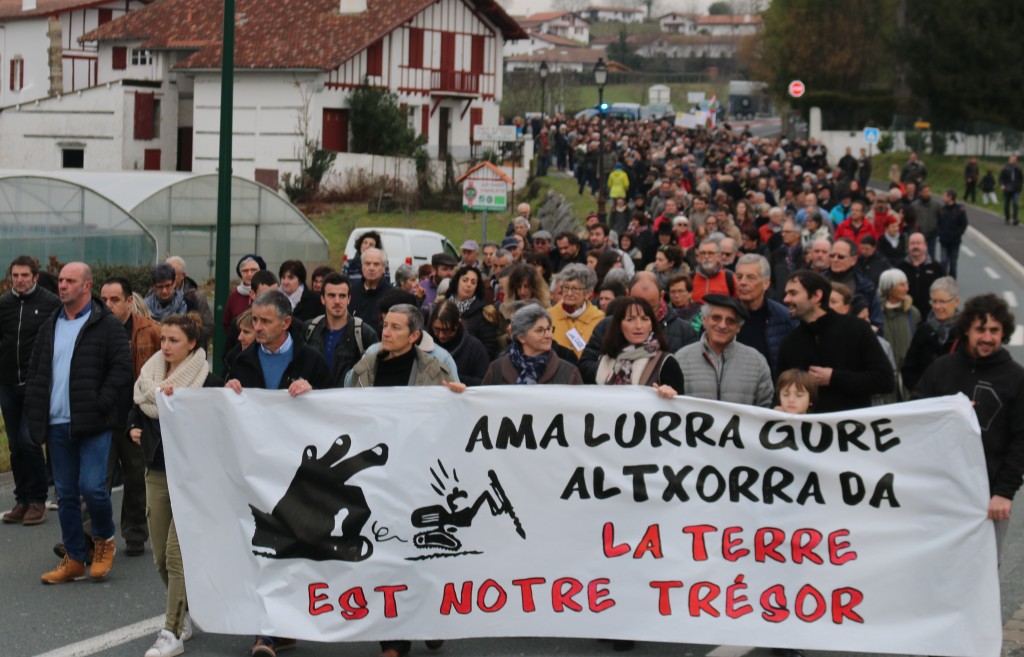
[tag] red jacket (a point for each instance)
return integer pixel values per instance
(721, 283)
(846, 229)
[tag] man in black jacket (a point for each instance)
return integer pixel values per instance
(987, 373)
(1011, 180)
(79, 378)
(840, 352)
(277, 362)
(22, 311)
(339, 337)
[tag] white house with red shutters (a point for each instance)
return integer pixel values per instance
(40, 54)
(156, 100)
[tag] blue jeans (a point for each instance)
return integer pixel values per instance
(27, 463)
(80, 471)
(1010, 198)
(950, 254)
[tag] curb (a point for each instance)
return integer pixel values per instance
(998, 253)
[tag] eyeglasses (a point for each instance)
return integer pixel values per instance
(444, 330)
(542, 330)
(707, 254)
(573, 289)
(939, 302)
(728, 253)
(719, 319)
(838, 256)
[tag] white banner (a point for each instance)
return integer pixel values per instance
(400, 513)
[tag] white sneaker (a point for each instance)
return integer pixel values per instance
(166, 645)
(186, 628)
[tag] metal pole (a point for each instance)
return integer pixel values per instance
(484, 239)
(600, 157)
(223, 271)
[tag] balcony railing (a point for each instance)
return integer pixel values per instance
(462, 82)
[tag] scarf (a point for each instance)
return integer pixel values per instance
(622, 370)
(530, 368)
(159, 310)
(244, 290)
(191, 373)
(296, 296)
(575, 313)
(660, 313)
(942, 329)
(464, 305)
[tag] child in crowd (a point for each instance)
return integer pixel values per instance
(798, 392)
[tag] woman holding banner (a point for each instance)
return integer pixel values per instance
(180, 363)
(530, 359)
(635, 352)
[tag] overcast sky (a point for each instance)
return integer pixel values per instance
(524, 7)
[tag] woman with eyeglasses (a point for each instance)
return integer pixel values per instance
(634, 351)
(934, 336)
(445, 326)
(575, 318)
(530, 359)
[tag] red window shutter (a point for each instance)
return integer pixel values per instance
(425, 123)
(120, 57)
(21, 74)
(375, 59)
(151, 159)
(105, 16)
(415, 47)
(14, 72)
(477, 62)
(144, 116)
(335, 130)
(476, 117)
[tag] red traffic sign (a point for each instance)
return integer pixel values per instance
(796, 88)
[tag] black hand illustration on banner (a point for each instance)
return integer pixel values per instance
(301, 525)
(443, 521)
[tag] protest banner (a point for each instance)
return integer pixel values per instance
(562, 511)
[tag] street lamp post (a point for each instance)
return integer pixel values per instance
(542, 158)
(600, 77)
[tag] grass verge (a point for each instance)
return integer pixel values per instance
(944, 172)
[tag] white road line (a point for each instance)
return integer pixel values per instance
(109, 640)
(992, 273)
(966, 251)
(1017, 339)
(1011, 298)
(730, 651)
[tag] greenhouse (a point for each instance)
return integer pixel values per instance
(179, 210)
(46, 217)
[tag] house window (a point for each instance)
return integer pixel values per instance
(476, 117)
(477, 62)
(141, 57)
(119, 58)
(415, 47)
(375, 59)
(105, 16)
(17, 78)
(147, 116)
(335, 130)
(72, 158)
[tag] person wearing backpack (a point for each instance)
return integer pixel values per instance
(341, 338)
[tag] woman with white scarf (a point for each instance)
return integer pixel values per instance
(180, 363)
(935, 335)
(634, 351)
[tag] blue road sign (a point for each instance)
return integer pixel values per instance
(871, 135)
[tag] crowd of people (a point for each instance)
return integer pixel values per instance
(730, 267)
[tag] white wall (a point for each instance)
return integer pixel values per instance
(837, 141)
(28, 39)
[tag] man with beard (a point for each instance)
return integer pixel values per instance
(840, 352)
(986, 372)
(711, 277)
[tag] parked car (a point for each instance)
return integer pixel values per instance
(629, 111)
(405, 246)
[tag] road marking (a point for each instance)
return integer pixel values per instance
(992, 273)
(966, 251)
(109, 640)
(1011, 298)
(1017, 339)
(729, 651)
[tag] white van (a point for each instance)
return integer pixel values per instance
(405, 246)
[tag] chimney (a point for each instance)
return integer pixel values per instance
(348, 7)
(28, 5)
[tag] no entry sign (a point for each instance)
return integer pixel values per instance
(796, 88)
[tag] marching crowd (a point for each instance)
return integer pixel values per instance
(729, 267)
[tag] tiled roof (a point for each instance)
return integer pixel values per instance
(737, 19)
(274, 34)
(11, 9)
(546, 16)
(625, 10)
(556, 40)
(563, 55)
